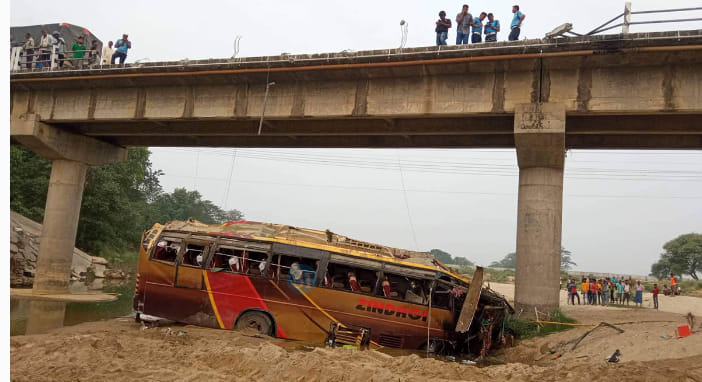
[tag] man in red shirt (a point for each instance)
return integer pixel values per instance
(655, 296)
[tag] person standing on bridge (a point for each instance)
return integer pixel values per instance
(60, 47)
(463, 21)
(516, 23)
(45, 43)
(106, 57)
(28, 51)
(78, 52)
(122, 46)
(442, 27)
(477, 24)
(491, 28)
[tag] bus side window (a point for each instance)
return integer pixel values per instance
(440, 297)
(166, 250)
(296, 269)
(257, 263)
(193, 255)
(353, 279)
(405, 288)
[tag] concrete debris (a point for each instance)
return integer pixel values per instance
(24, 249)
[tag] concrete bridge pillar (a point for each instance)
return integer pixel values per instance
(71, 154)
(539, 135)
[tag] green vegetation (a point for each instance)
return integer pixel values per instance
(524, 329)
(120, 201)
(510, 260)
(682, 256)
(446, 258)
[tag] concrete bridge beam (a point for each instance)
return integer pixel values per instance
(539, 135)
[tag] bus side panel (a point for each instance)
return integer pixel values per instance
(407, 322)
(162, 299)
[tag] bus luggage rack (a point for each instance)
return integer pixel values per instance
(339, 336)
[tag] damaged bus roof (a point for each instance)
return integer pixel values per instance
(306, 237)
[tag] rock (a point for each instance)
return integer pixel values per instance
(13, 248)
(115, 274)
(99, 260)
(99, 270)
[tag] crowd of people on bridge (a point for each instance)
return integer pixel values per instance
(476, 27)
(38, 54)
(615, 290)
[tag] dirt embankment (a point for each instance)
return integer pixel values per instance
(123, 350)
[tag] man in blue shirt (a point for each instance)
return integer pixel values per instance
(516, 23)
(477, 24)
(491, 28)
(122, 45)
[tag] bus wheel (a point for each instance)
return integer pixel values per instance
(255, 320)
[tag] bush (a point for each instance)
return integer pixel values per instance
(524, 329)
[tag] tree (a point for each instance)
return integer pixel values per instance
(182, 204)
(566, 259)
(683, 255)
(446, 258)
(509, 261)
(119, 202)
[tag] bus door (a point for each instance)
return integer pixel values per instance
(188, 271)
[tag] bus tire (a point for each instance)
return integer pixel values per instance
(255, 320)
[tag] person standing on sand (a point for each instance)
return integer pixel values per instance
(638, 298)
(574, 291)
(605, 292)
(593, 292)
(620, 290)
(627, 291)
(673, 284)
(584, 288)
(655, 296)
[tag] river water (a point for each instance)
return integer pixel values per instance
(77, 313)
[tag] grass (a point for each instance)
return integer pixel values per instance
(524, 329)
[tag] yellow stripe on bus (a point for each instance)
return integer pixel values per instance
(212, 301)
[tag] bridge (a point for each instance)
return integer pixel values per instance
(542, 97)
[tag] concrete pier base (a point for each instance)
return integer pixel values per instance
(539, 133)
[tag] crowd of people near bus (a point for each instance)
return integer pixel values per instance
(476, 27)
(615, 290)
(38, 54)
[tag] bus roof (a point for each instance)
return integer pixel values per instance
(307, 237)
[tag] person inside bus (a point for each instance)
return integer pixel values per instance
(386, 287)
(234, 264)
(198, 259)
(353, 283)
(295, 272)
(415, 293)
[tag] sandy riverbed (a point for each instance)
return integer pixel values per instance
(122, 350)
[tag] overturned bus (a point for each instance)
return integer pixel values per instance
(314, 286)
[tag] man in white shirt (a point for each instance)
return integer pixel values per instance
(45, 44)
(106, 54)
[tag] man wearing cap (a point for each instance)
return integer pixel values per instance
(60, 47)
(121, 46)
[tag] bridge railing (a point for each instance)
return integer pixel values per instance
(49, 59)
(626, 22)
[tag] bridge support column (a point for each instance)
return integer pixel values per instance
(71, 154)
(539, 135)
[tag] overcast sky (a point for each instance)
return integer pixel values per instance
(619, 207)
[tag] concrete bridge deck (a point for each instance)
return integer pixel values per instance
(635, 91)
(541, 97)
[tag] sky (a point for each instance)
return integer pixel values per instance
(619, 207)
